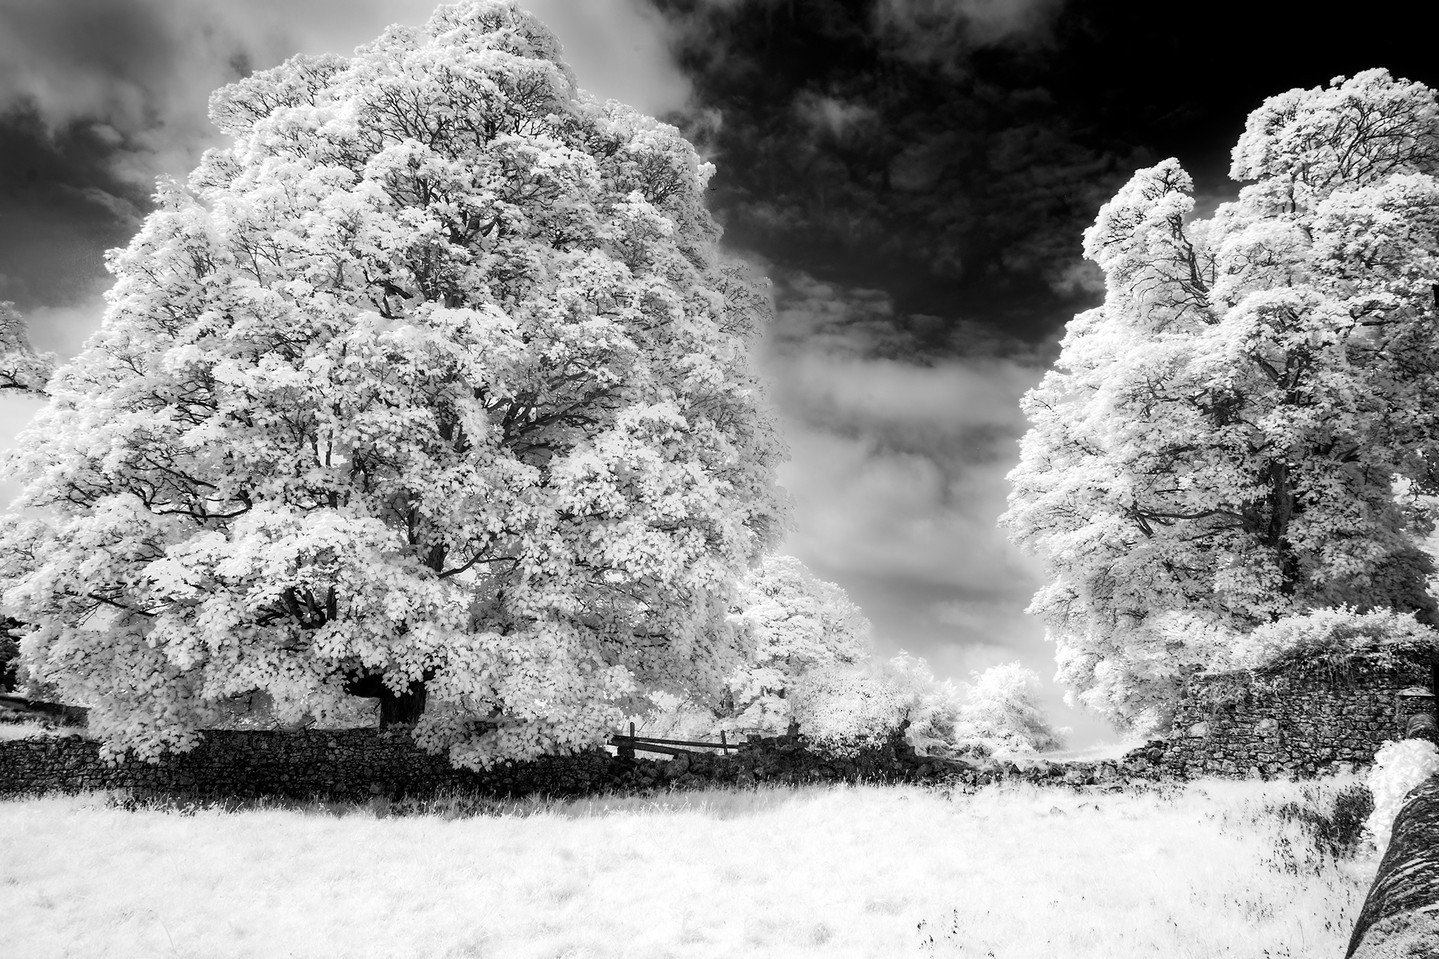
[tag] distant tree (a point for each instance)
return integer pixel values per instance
(1000, 712)
(789, 625)
(432, 386)
(21, 368)
(1237, 434)
(794, 624)
(25, 371)
(842, 708)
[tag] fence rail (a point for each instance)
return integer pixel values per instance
(627, 746)
(70, 715)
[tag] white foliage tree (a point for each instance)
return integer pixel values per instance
(1000, 712)
(1217, 446)
(1331, 635)
(843, 708)
(21, 368)
(431, 386)
(790, 625)
(795, 624)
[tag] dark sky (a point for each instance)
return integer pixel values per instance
(950, 152)
(913, 175)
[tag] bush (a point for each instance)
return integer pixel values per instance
(1329, 638)
(1338, 832)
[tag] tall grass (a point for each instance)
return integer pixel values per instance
(1010, 871)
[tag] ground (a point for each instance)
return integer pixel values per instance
(1009, 871)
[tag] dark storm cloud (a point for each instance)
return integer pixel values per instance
(61, 206)
(98, 97)
(950, 152)
(906, 145)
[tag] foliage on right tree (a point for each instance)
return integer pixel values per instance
(1237, 434)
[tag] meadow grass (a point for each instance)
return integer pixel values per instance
(1009, 871)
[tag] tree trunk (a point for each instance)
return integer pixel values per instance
(1399, 911)
(1399, 917)
(403, 709)
(1281, 511)
(396, 709)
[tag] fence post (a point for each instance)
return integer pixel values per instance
(626, 750)
(1411, 703)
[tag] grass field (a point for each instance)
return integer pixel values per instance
(1010, 871)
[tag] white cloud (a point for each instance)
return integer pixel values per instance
(63, 329)
(948, 398)
(874, 511)
(140, 72)
(837, 117)
(898, 473)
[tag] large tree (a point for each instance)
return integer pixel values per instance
(430, 386)
(1236, 435)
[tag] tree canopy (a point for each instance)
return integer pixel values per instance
(431, 385)
(1239, 432)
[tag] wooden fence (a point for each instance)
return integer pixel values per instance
(627, 746)
(21, 707)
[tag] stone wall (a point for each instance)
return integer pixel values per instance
(356, 764)
(1298, 721)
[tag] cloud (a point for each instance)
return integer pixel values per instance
(836, 117)
(63, 329)
(143, 70)
(898, 463)
(901, 440)
(914, 146)
(876, 511)
(98, 97)
(951, 399)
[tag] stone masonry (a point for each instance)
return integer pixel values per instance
(1296, 722)
(357, 765)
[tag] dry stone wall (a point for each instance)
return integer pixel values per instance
(357, 764)
(1298, 722)
(360, 764)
